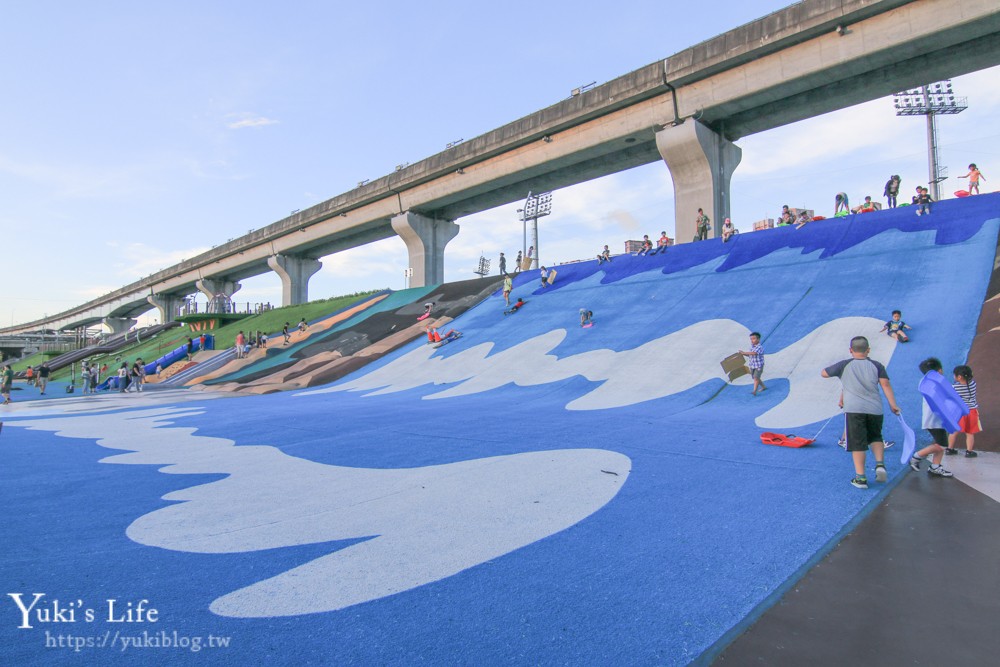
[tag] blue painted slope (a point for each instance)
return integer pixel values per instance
(697, 528)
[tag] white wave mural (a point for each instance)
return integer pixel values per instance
(686, 358)
(418, 525)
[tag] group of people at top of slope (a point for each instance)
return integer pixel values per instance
(519, 263)
(921, 199)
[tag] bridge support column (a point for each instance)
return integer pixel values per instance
(169, 306)
(425, 239)
(119, 324)
(294, 273)
(701, 164)
(219, 292)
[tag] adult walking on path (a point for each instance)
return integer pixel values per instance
(43, 377)
(6, 380)
(123, 377)
(503, 265)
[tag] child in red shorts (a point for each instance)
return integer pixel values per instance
(970, 424)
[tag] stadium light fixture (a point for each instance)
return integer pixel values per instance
(535, 206)
(930, 101)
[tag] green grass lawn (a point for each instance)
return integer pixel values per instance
(271, 321)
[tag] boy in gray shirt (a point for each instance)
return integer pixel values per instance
(861, 378)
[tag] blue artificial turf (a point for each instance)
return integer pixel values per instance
(709, 524)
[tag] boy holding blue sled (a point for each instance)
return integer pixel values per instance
(941, 407)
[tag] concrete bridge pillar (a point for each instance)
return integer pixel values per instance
(294, 273)
(119, 324)
(701, 164)
(425, 239)
(219, 292)
(169, 306)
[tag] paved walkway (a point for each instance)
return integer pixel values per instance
(913, 584)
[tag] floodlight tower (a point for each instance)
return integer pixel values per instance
(535, 207)
(930, 101)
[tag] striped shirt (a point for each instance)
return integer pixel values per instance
(968, 393)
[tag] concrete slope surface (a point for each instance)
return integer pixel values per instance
(531, 493)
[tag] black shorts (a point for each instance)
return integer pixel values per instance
(862, 430)
(940, 436)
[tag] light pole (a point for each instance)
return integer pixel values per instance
(930, 101)
(535, 207)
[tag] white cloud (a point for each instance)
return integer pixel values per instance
(83, 181)
(608, 210)
(214, 169)
(817, 144)
(90, 292)
(373, 259)
(136, 260)
(249, 120)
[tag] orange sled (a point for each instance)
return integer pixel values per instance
(784, 440)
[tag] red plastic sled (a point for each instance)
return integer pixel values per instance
(961, 193)
(782, 440)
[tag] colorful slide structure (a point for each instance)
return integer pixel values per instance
(351, 340)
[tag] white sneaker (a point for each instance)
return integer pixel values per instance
(880, 474)
(843, 443)
(940, 471)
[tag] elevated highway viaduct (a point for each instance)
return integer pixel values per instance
(807, 59)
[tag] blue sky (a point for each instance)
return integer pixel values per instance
(138, 134)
